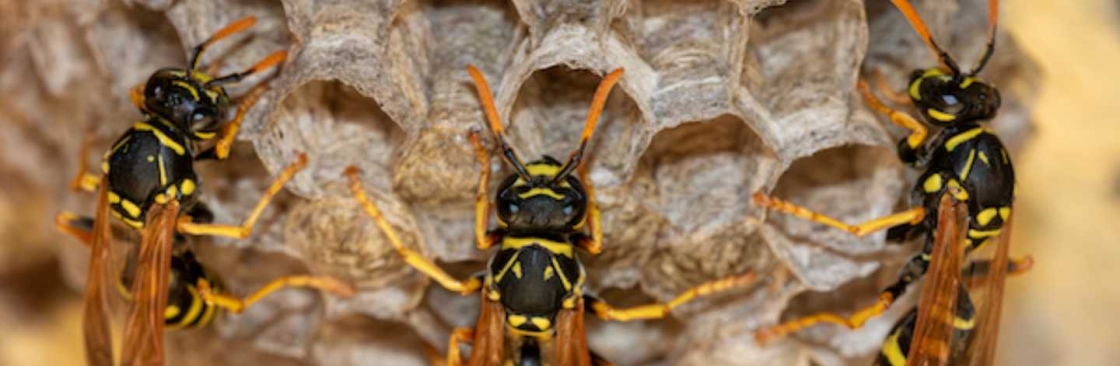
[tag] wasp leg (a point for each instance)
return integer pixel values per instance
(136, 94)
(230, 130)
(661, 310)
(881, 84)
(918, 131)
(481, 199)
(237, 305)
(911, 216)
(84, 180)
(913, 270)
(242, 231)
(414, 259)
(459, 335)
(80, 227)
(594, 244)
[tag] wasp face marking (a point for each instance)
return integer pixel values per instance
(186, 100)
(945, 99)
(540, 204)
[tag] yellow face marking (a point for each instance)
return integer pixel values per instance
(984, 158)
(516, 320)
(548, 170)
(563, 278)
(968, 164)
(986, 216)
(940, 116)
(204, 135)
(187, 187)
(915, 89)
(517, 269)
(541, 323)
(564, 249)
(892, 351)
(130, 208)
(1005, 212)
(932, 184)
(967, 82)
(162, 172)
(962, 137)
(185, 85)
(548, 273)
(163, 138)
(541, 191)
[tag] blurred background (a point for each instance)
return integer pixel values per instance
(1068, 213)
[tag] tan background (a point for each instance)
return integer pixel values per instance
(1061, 313)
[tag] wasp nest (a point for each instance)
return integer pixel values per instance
(719, 99)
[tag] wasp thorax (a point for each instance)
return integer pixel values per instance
(541, 203)
(185, 100)
(946, 99)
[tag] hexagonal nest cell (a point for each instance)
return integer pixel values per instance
(719, 99)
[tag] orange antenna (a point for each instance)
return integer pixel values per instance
(993, 18)
(491, 112)
(270, 61)
(920, 27)
(597, 104)
(240, 25)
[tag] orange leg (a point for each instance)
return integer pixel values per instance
(852, 322)
(84, 180)
(482, 197)
(237, 305)
(79, 227)
(594, 219)
(660, 310)
(918, 131)
(242, 231)
(459, 335)
(413, 258)
(911, 216)
(230, 130)
(885, 89)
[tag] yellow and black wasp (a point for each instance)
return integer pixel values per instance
(148, 182)
(532, 291)
(963, 160)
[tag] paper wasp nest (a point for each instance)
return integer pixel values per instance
(719, 99)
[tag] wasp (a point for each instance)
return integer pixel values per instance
(963, 160)
(533, 290)
(148, 182)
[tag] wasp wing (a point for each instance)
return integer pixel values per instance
(489, 335)
(933, 334)
(143, 332)
(981, 350)
(571, 341)
(95, 314)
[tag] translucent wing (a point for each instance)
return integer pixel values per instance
(571, 341)
(489, 335)
(143, 332)
(95, 315)
(982, 349)
(933, 334)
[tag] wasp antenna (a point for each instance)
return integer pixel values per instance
(487, 99)
(270, 61)
(240, 25)
(993, 19)
(597, 104)
(920, 27)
